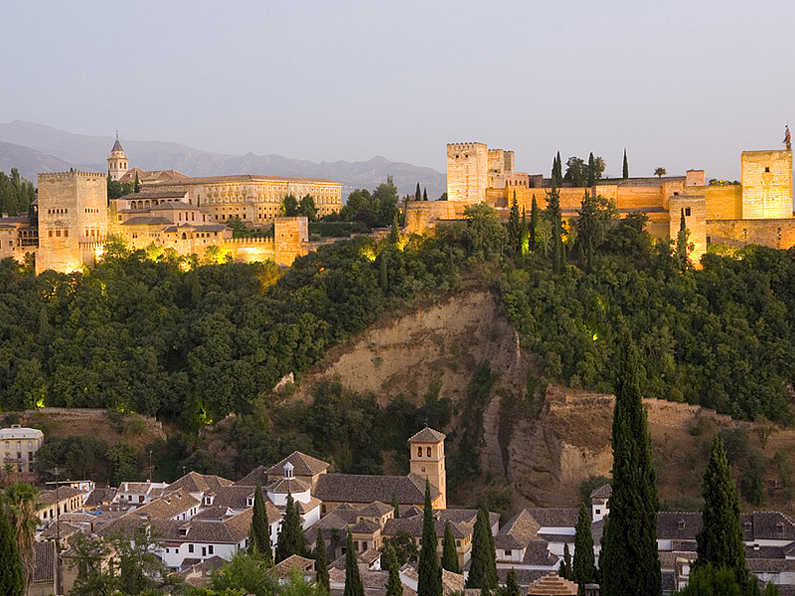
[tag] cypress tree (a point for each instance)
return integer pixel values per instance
(565, 565)
(394, 587)
(429, 582)
(629, 562)
(353, 581)
(524, 230)
(584, 568)
(515, 227)
(424, 194)
(291, 537)
(396, 505)
(557, 174)
(554, 216)
(418, 193)
(681, 242)
(394, 233)
(259, 534)
(625, 169)
(591, 174)
(483, 565)
(534, 214)
(720, 540)
(449, 556)
(11, 579)
(512, 584)
(321, 561)
(137, 184)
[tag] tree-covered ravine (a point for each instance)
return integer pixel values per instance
(191, 343)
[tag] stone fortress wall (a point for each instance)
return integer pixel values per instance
(759, 210)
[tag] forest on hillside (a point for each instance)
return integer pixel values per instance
(191, 343)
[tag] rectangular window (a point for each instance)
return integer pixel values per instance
(210, 549)
(190, 548)
(687, 211)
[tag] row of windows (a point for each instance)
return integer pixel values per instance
(58, 233)
(91, 210)
(57, 211)
(19, 445)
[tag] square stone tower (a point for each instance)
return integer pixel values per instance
(73, 219)
(694, 209)
(767, 184)
(427, 461)
(467, 172)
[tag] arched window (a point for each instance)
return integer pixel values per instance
(184, 236)
(419, 451)
(428, 451)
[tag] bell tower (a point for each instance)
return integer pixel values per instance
(117, 162)
(427, 460)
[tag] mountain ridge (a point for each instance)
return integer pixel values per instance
(34, 148)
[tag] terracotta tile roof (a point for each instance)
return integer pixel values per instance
(49, 497)
(257, 476)
(413, 526)
(153, 194)
(452, 582)
(174, 207)
(100, 496)
(555, 518)
(146, 221)
(303, 465)
(353, 488)
(523, 576)
(284, 486)
(301, 564)
(672, 525)
(522, 528)
(552, 584)
(44, 569)
(168, 506)
(538, 554)
(246, 178)
(428, 435)
(767, 525)
(603, 492)
(235, 497)
(376, 509)
(194, 482)
(366, 526)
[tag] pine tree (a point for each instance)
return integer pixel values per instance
(629, 562)
(418, 193)
(394, 587)
(565, 565)
(396, 505)
(11, 579)
(259, 534)
(554, 216)
(483, 562)
(534, 216)
(514, 227)
(429, 582)
(449, 555)
(720, 540)
(353, 581)
(512, 584)
(321, 561)
(625, 169)
(584, 568)
(291, 537)
(591, 173)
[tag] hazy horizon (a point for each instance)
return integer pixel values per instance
(679, 85)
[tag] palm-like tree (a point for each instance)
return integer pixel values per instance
(20, 504)
(660, 172)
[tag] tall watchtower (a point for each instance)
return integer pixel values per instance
(427, 461)
(117, 162)
(467, 172)
(767, 184)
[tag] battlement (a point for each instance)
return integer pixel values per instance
(59, 176)
(468, 146)
(254, 240)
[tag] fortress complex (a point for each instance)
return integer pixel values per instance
(758, 210)
(170, 211)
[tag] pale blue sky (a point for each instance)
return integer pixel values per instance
(680, 84)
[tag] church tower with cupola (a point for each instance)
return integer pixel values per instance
(117, 162)
(427, 461)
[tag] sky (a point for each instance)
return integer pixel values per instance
(678, 83)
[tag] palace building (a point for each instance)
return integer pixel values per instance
(757, 210)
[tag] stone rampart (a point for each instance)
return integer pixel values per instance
(767, 184)
(776, 233)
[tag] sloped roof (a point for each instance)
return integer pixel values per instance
(303, 465)
(555, 517)
(413, 526)
(44, 569)
(117, 146)
(257, 476)
(49, 497)
(248, 178)
(675, 525)
(283, 486)
(552, 584)
(170, 505)
(101, 495)
(193, 482)
(354, 488)
(154, 194)
(284, 568)
(366, 526)
(767, 525)
(603, 492)
(538, 554)
(428, 435)
(376, 509)
(146, 221)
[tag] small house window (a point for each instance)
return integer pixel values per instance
(687, 211)
(190, 548)
(767, 169)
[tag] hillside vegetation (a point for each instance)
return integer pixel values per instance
(191, 343)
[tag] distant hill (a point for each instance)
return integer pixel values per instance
(34, 148)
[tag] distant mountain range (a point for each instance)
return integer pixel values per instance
(34, 148)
